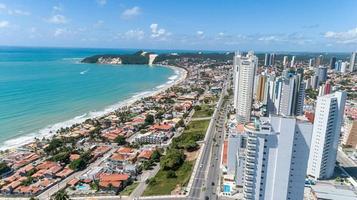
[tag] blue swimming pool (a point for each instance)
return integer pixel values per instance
(226, 188)
(82, 187)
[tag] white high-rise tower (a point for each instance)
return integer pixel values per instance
(326, 134)
(353, 61)
(277, 153)
(244, 72)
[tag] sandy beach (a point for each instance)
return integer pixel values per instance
(47, 132)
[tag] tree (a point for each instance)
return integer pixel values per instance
(4, 168)
(149, 119)
(120, 140)
(156, 156)
(173, 159)
(62, 157)
(61, 195)
(171, 174)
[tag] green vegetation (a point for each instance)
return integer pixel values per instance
(136, 58)
(62, 157)
(4, 168)
(120, 140)
(129, 189)
(173, 159)
(164, 181)
(175, 170)
(311, 93)
(82, 162)
(194, 132)
(150, 119)
(61, 195)
(203, 110)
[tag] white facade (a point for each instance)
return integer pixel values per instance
(326, 134)
(292, 63)
(276, 158)
(352, 62)
(244, 73)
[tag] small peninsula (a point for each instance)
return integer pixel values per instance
(148, 58)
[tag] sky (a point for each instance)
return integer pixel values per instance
(260, 25)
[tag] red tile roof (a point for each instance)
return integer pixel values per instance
(145, 154)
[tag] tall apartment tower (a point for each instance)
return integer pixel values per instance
(285, 61)
(292, 63)
(332, 63)
(244, 70)
(286, 94)
(267, 60)
(261, 89)
(326, 134)
(277, 152)
(353, 62)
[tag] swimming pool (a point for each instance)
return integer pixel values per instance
(82, 187)
(226, 188)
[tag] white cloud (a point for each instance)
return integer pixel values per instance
(63, 31)
(4, 24)
(347, 37)
(131, 12)
(18, 12)
(158, 33)
(221, 34)
(58, 19)
(200, 34)
(134, 34)
(57, 8)
(268, 38)
(102, 2)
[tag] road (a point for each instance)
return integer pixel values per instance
(348, 164)
(214, 170)
(62, 184)
(199, 183)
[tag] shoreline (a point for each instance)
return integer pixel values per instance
(180, 74)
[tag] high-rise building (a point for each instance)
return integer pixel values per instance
(261, 89)
(338, 65)
(311, 62)
(319, 60)
(353, 62)
(332, 63)
(326, 134)
(272, 59)
(277, 152)
(292, 64)
(325, 89)
(286, 94)
(285, 61)
(321, 72)
(267, 60)
(244, 69)
(350, 135)
(343, 68)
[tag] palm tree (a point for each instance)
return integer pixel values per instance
(61, 195)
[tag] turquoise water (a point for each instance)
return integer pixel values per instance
(42, 88)
(226, 188)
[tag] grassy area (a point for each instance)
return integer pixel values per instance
(204, 111)
(161, 185)
(195, 131)
(129, 189)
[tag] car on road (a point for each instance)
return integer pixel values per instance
(212, 183)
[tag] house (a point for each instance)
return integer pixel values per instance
(116, 181)
(145, 155)
(64, 173)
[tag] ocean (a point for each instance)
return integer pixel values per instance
(43, 89)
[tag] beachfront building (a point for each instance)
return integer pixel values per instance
(276, 158)
(326, 135)
(244, 72)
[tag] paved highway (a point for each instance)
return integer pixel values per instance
(200, 177)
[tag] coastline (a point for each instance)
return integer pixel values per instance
(180, 75)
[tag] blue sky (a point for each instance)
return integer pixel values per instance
(290, 25)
